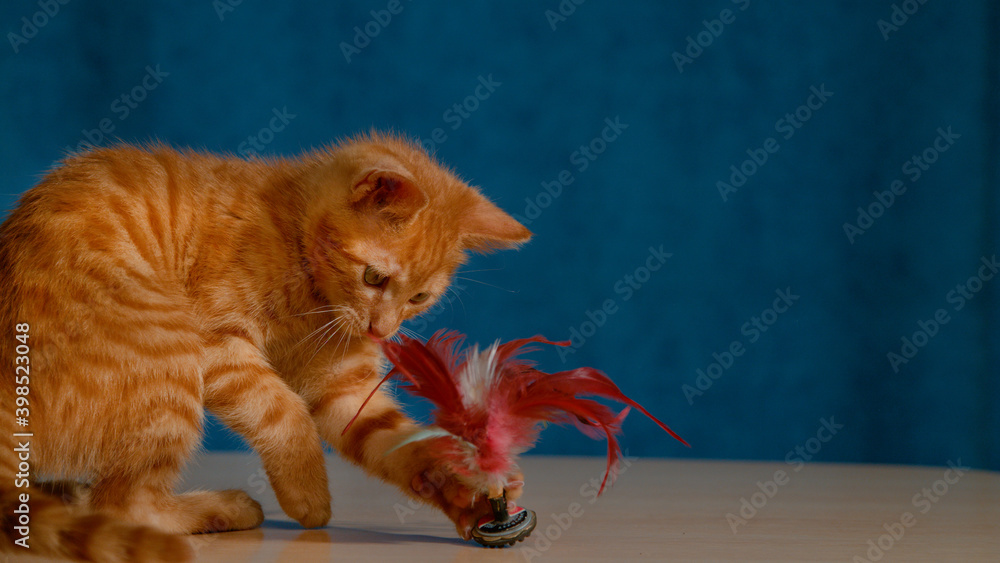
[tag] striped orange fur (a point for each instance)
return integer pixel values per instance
(159, 283)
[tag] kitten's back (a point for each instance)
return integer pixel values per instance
(93, 262)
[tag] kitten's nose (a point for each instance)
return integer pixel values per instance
(375, 333)
(381, 325)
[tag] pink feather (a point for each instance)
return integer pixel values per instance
(494, 401)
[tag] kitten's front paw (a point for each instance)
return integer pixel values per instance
(311, 509)
(462, 504)
(305, 499)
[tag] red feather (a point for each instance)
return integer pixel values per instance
(493, 401)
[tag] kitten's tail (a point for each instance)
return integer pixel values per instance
(36, 522)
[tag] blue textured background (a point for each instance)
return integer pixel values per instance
(654, 186)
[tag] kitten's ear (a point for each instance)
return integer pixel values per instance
(486, 227)
(388, 193)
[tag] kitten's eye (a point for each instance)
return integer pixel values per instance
(373, 277)
(420, 297)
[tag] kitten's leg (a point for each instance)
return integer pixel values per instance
(249, 397)
(415, 468)
(136, 483)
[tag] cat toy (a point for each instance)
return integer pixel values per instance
(493, 405)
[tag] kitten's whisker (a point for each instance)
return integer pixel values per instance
(343, 340)
(316, 311)
(343, 335)
(347, 346)
(313, 312)
(327, 335)
(457, 296)
(486, 284)
(483, 270)
(326, 329)
(308, 336)
(318, 339)
(411, 333)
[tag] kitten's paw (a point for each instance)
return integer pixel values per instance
(462, 504)
(302, 489)
(316, 518)
(308, 507)
(236, 511)
(203, 512)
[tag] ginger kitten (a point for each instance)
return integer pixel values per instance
(142, 286)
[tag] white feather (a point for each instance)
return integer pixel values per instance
(478, 376)
(422, 434)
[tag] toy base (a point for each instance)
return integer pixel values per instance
(492, 533)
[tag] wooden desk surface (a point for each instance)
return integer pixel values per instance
(659, 510)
